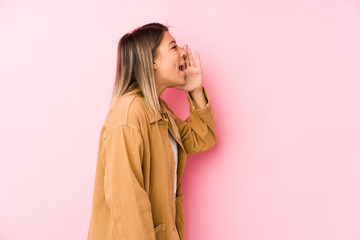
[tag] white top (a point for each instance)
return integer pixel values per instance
(175, 150)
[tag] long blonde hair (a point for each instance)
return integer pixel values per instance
(134, 69)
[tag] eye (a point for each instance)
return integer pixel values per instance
(174, 47)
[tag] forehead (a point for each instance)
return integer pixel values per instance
(167, 38)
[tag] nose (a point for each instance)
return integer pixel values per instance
(182, 52)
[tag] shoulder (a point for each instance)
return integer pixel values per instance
(128, 111)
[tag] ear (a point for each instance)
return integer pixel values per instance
(155, 64)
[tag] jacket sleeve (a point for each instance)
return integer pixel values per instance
(197, 132)
(125, 196)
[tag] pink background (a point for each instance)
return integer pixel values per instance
(284, 81)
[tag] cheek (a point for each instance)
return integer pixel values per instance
(165, 72)
(168, 67)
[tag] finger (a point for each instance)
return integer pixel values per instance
(198, 62)
(191, 60)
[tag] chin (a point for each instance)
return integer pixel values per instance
(182, 82)
(183, 79)
(178, 82)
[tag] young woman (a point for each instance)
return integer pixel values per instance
(143, 144)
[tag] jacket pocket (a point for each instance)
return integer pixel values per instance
(180, 216)
(160, 232)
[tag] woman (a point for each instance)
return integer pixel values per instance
(143, 144)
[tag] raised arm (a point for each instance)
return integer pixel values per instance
(197, 132)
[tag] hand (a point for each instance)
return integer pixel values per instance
(193, 72)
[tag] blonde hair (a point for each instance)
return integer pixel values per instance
(134, 69)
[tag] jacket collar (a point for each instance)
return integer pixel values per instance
(153, 118)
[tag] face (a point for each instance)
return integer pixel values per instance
(167, 64)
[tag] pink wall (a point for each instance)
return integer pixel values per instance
(284, 81)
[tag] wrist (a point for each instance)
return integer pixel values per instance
(199, 98)
(196, 91)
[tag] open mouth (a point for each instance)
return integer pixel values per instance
(182, 67)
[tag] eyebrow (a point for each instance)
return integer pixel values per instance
(172, 42)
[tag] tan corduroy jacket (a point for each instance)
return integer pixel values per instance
(134, 182)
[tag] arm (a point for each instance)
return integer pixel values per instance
(198, 96)
(124, 188)
(198, 132)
